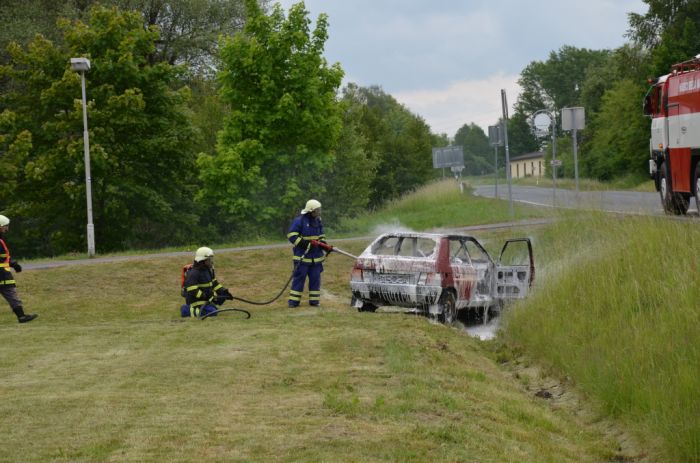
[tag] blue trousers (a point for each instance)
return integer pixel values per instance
(301, 272)
(187, 311)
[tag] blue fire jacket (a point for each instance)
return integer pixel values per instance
(304, 229)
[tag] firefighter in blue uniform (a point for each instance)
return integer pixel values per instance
(7, 282)
(305, 233)
(201, 289)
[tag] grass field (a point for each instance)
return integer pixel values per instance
(109, 372)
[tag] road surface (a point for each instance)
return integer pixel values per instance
(626, 202)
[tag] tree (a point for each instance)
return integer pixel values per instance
(669, 29)
(401, 140)
(139, 132)
(189, 29)
(521, 140)
(349, 180)
(477, 152)
(621, 142)
(557, 82)
(278, 140)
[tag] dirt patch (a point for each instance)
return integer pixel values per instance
(561, 394)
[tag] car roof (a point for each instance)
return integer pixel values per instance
(423, 235)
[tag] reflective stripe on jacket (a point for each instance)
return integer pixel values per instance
(5, 274)
(306, 227)
(201, 285)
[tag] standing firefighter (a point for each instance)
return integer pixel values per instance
(200, 287)
(306, 234)
(7, 282)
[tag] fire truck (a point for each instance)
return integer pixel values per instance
(673, 103)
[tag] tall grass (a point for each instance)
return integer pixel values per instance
(617, 311)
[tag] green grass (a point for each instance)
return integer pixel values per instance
(109, 372)
(439, 204)
(616, 310)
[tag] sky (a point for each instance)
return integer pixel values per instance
(447, 60)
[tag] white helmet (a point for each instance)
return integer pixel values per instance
(311, 205)
(203, 253)
(4, 221)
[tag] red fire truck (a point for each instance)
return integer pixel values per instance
(673, 103)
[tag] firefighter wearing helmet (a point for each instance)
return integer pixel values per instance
(8, 287)
(201, 290)
(306, 234)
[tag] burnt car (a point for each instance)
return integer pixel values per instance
(440, 274)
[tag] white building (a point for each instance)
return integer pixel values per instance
(527, 165)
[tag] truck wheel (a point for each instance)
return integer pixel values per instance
(681, 202)
(696, 182)
(673, 203)
(448, 306)
(664, 191)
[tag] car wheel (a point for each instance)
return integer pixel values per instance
(364, 307)
(448, 308)
(696, 182)
(367, 307)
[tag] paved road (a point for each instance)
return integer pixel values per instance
(627, 202)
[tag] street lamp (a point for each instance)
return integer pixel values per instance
(82, 65)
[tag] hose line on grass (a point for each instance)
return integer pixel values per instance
(296, 263)
(225, 310)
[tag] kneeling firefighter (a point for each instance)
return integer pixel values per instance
(200, 288)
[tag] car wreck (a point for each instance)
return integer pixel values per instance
(440, 275)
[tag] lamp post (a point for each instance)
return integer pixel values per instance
(82, 65)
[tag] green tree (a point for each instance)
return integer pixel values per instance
(557, 82)
(401, 140)
(521, 140)
(278, 140)
(477, 152)
(669, 29)
(621, 142)
(139, 132)
(349, 181)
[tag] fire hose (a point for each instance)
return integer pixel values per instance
(314, 243)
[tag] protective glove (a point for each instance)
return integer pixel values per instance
(224, 292)
(327, 247)
(15, 265)
(304, 244)
(218, 300)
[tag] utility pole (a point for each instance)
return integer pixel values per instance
(504, 105)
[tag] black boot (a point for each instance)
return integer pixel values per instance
(22, 317)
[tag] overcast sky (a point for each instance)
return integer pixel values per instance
(447, 60)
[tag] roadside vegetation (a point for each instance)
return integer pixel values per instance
(616, 312)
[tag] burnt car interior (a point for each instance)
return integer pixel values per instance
(405, 246)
